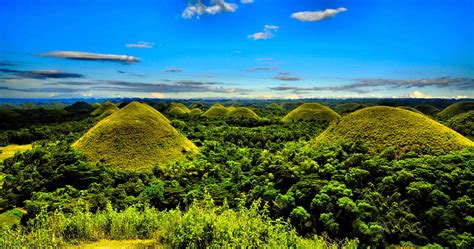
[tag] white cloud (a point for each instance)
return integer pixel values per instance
(140, 44)
(313, 16)
(266, 34)
(77, 55)
(246, 1)
(420, 95)
(196, 7)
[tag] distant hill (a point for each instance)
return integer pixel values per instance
(242, 112)
(463, 123)
(80, 107)
(216, 111)
(382, 126)
(196, 112)
(134, 138)
(178, 109)
(220, 111)
(313, 112)
(409, 108)
(105, 109)
(427, 109)
(456, 108)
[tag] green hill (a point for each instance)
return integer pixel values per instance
(348, 107)
(176, 111)
(216, 111)
(105, 109)
(313, 112)
(242, 112)
(409, 108)
(456, 108)
(427, 109)
(195, 112)
(134, 138)
(180, 106)
(382, 126)
(463, 123)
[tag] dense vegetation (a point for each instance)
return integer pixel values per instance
(253, 183)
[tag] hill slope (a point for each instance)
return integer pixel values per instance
(134, 138)
(427, 109)
(216, 111)
(463, 123)
(381, 127)
(106, 108)
(242, 112)
(313, 112)
(456, 108)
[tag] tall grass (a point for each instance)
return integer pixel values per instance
(202, 225)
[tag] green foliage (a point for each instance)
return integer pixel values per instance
(463, 123)
(312, 112)
(381, 127)
(134, 138)
(427, 109)
(409, 108)
(202, 225)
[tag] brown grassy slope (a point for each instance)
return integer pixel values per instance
(381, 127)
(134, 138)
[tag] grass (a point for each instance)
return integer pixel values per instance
(313, 112)
(196, 112)
(134, 138)
(409, 108)
(203, 225)
(381, 127)
(11, 217)
(105, 109)
(130, 244)
(10, 150)
(216, 111)
(463, 123)
(178, 109)
(455, 109)
(242, 113)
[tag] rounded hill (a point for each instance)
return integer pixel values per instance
(134, 138)
(409, 108)
(195, 112)
(216, 111)
(105, 109)
(381, 127)
(463, 123)
(427, 109)
(313, 112)
(242, 113)
(456, 108)
(176, 111)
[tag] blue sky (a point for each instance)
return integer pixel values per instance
(236, 48)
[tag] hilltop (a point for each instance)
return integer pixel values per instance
(409, 108)
(456, 108)
(313, 112)
(216, 111)
(242, 112)
(134, 138)
(105, 109)
(195, 112)
(463, 123)
(381, 126)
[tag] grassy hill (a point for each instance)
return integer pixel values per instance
(427, 109)
(242, 112)
(313, 112)
(409, 108)
(463, 123)
(196, 112)
(105, 109)
(134, 138)
(381, 127)
(216, 111)
(456, 108)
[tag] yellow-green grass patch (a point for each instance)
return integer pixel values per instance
(313, 112)
(10, 150)
(381, 127)
(456, 108)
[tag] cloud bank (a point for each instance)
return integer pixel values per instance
(77, 55)
(40, 74)
(314, 16)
